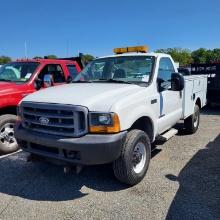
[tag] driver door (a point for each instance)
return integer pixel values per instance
(170, 101)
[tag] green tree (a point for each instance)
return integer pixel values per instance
(182, 56)
(37, 57)
(51, 56)
(201, 56)
(4, 59)
(209, 56)
(216, 55)
(87, 58)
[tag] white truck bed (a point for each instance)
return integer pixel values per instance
(195, 86)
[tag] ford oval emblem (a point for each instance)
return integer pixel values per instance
(43, 120)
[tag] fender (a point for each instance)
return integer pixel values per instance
(129, 118)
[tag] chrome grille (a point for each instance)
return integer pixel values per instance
(55, 119)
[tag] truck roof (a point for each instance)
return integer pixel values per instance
(45, 60)
(138, 54)
(67, 60)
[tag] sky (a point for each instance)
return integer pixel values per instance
(67, 27)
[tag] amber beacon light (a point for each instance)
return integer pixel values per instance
(137, 49)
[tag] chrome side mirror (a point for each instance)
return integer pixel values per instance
(48, 80)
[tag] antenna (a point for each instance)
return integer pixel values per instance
(25, 49)
(67, 48)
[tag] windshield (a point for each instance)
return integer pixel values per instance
(132, 69)
(17, 71)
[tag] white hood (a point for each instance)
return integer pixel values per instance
(94, 96)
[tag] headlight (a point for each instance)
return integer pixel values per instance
(97, 119)
(103, 122)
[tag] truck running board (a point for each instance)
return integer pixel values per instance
(166, 136)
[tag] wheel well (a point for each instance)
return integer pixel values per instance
(9, 110)
(145, 124)
(198, 102)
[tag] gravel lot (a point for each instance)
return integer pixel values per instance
(183, 182)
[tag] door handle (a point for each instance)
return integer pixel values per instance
(153, 101)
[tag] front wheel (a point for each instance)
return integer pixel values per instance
(191, 123)
(132, 165)
(8, 143)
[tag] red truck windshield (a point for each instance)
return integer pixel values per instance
(17, 71)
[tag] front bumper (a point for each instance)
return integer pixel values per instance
(87, 150)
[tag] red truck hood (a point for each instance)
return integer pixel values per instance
(7, 87)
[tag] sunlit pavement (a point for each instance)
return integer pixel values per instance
(183, 182)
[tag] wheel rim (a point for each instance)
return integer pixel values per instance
(196, 119)
(7, 138)
(139, 157)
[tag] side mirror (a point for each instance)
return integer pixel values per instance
(69, 79)
(159, 83)
(177, 82)
(38, 84)
(48, 80)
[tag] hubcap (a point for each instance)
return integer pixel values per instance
(7, 135)
(139, 157)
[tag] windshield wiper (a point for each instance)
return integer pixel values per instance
(6, 80)
(80, 81)
(113, 81)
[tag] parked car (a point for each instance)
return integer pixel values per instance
(121, 108)
(22, 77)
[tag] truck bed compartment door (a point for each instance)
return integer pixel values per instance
(188, 101)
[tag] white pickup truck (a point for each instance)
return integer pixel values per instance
(112, 112)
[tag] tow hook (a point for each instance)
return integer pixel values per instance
(68, 169)
(79, 169)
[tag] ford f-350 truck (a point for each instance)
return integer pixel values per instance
(124, 102)
(23, 77)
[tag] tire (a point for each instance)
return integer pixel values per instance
(126, 168)
(191, 123)
(8, 143)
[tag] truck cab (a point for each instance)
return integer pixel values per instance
(21, 78)
(125, 102)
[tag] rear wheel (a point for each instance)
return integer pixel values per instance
(132, 165)
(8, 143)
(191, 123)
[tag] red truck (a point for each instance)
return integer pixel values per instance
(25, 76)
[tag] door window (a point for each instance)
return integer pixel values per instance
(165, 71)
(55, 70)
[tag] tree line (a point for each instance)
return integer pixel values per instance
(183, 56)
